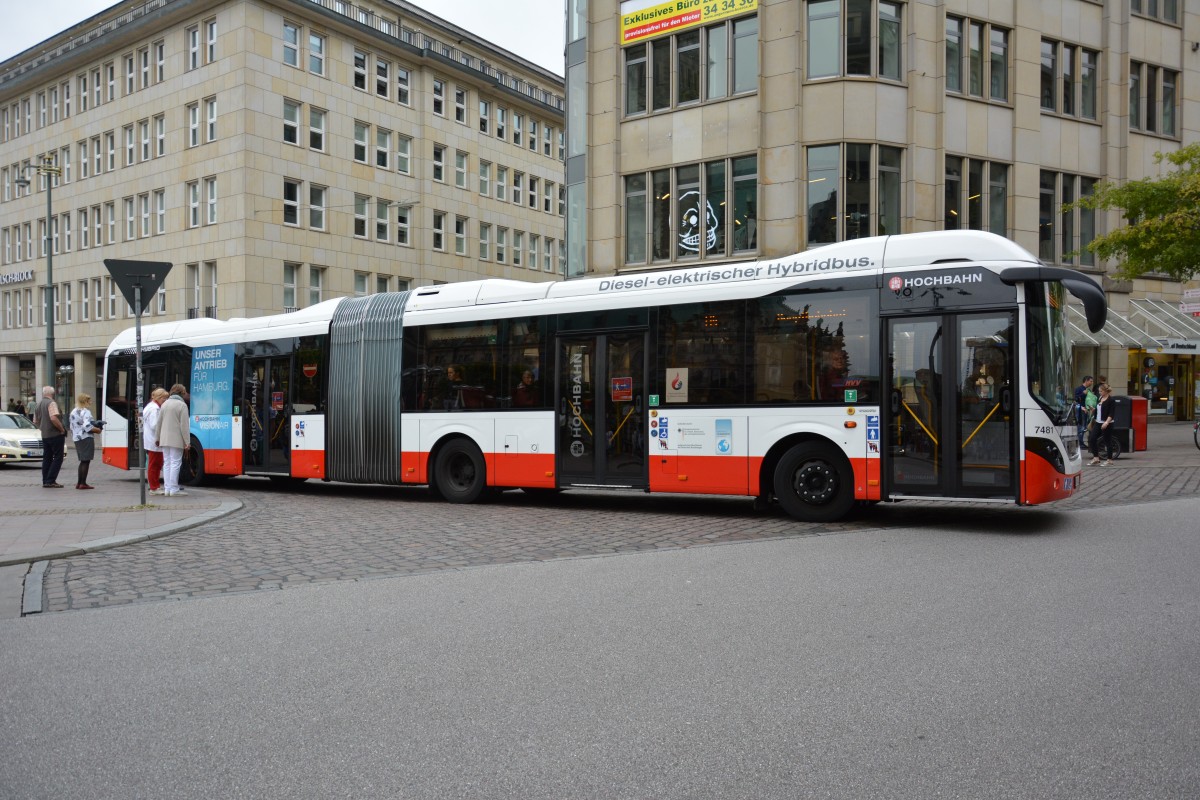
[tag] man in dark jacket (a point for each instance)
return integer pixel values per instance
(1081, 411)
(48, 417)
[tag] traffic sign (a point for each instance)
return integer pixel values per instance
(130, 275)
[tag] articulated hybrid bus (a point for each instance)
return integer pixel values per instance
(932, 365)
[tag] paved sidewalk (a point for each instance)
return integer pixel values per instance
(43, 523)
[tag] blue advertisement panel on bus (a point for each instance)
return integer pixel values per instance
(212, 396)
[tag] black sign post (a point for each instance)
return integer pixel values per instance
(132, 277)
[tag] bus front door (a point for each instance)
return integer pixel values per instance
(266, 432)
(601, 406)
(951, 407)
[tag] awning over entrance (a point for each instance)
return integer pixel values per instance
(1163, 320)
(1118, 331)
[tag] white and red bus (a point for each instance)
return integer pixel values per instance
(932, 365)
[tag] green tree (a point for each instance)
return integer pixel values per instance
(1162, 230)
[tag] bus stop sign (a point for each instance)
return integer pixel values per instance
(129, 275)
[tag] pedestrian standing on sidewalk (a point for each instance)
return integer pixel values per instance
(174, 436)
(48, 417)
(83, 425)
(1102, 428)
(1081, 410)
(154, 453)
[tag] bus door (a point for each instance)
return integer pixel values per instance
(601, 410)
(266, 433)
(951, 411)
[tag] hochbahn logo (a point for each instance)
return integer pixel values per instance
(899, 284)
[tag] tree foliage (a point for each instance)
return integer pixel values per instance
(1162, 215)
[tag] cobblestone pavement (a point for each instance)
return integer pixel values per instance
(318, 532)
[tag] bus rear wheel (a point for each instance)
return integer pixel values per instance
(814, 483)
(459, 474)
(191, 471)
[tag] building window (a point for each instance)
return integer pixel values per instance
(144, 67)
(316, 53)
(360, 70)
(518, 247)
(485, 116)
(316, 280)
(316, 207)
(193, 198)
(316, 129)
(383, 284)
(502, 183)
(872, 41)
(291, 122)
(439, 230)
(548, 198)
(501, 122)
(291, 202)
(485, 178)
(518, 184)
(383, 148)
(382, 232)
(402, 214)
(692, 211)
(439, 163)
(1153, 98)
(361, 133)
(460, 105)
(668, 72)
(518, 128)
(210, 114)
(210, 201)
(403, 155)
(501, 245)
(1064, 234)
(110, 147)
(130, 146)
(361, 201)
(969, 70)
(534, 240)
(160, 61)
(1069, 76)
(193, 113)
(144, 214)
(533, 192)
(460, 169)
(1165, 10)
(533, 135)
(193, 44)
(849, 196)
(290, 271)
(981, 201)
(439, 97)
(210, 41)
(360, 284)
(160, 213)
(130, 71)
(402, 86)
(485, 241)
(383, 78)
(460, 236)
(144, 135)
(160, 136)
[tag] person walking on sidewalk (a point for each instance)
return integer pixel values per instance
(48, 417)
(83, 425)
(174, 436)
(1101, 432)
(154, 453)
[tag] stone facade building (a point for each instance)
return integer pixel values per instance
(277, 152)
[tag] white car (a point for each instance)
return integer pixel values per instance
(20, 439)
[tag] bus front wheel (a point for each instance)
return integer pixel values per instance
(814, 483)
(459, 472)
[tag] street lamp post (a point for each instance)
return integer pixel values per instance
(51, 172)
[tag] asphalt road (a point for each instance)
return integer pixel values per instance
(1048, 653)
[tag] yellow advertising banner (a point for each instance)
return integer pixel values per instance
(657, 19)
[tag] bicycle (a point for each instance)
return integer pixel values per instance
(1114, 447)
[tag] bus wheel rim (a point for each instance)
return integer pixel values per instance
(815, 483)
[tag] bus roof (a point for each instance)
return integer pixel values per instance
(870, 255)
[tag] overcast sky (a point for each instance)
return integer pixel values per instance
(535, 33)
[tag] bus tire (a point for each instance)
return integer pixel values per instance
(459, 474)
(191, 472)
(814, 483)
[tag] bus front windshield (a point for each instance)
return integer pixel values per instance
(1049, 349)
